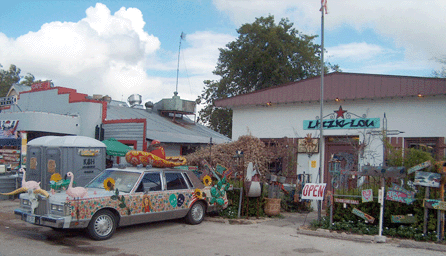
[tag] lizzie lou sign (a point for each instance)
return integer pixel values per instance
(342, 119)
(314, 191)
(358, 123)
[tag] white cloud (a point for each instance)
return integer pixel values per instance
(355, 51)
(417, 26)
(100, 54)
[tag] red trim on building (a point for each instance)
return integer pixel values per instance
(74, 96)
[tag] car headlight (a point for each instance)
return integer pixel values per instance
(57, 207)
(25, 202)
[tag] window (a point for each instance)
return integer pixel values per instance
(175, 181)
(433, 145)
(150, 182)
(188, 180)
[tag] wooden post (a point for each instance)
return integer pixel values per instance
(426, 196)
(441, 213)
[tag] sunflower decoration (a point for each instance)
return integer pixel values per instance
(56, 177)
(198, 193)
(207, 180)
(109, 184)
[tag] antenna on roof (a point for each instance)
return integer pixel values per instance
(182, 37)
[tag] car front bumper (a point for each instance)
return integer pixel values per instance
(48, 220)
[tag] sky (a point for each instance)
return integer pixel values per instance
(120, 48)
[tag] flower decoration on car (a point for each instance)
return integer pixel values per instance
(198, 193)
(56, 177)
(109, 184)
(207, 180)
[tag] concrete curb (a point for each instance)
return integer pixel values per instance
(341, 236)
(371, 239)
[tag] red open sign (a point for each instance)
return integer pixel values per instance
(314, 191)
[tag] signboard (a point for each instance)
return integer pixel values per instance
(330, 124)
(379, 171)
(419, 167)
(346, 201)
(363, 215)
(434, 204)
(6, 101)
(367, 195)
(399, 194)
(314, 191)
(403, 219)
(41, 85)
(427, 179)
(88, 152)
(8, 128)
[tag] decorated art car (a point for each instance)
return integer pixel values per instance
(124, 196)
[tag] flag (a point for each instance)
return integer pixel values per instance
(183, 36)
(324, 5)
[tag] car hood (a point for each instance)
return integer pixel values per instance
(62, 196)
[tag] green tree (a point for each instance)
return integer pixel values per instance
(12, 76)
(264, 55)
(440, 73)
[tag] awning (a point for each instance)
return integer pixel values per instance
(116, 148)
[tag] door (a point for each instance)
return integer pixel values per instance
(340, 149)
(34, 164)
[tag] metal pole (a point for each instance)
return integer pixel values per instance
(380, 238)
(321, 127)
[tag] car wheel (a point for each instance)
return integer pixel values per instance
(196, 213)
(102, 225)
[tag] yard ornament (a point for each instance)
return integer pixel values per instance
(79, 192)
(32, 186)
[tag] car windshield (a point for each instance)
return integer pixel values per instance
(123, 181)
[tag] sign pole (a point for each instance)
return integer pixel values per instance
(426, 196)
(321, 127)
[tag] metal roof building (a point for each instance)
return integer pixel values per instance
(44, 110)
(358, 111)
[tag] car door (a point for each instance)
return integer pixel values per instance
(147, 199)
(178, 196)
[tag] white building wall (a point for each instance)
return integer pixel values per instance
(88, 114)
(416, 117)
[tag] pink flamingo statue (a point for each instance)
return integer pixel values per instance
(77, 191)
(29, 184)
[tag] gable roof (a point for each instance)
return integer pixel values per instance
(345, 86)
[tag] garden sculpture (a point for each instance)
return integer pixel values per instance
(32, 186)
(79, 192)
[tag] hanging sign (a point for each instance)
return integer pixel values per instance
(434, 204)
(367, 195)
(346, 201)
(419, 167)
(427, 179)
(314, 191)
(363, 215)
(399, 194)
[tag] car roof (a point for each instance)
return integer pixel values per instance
(141, 169)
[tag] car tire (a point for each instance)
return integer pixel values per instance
(196, 213)
(102, 226)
